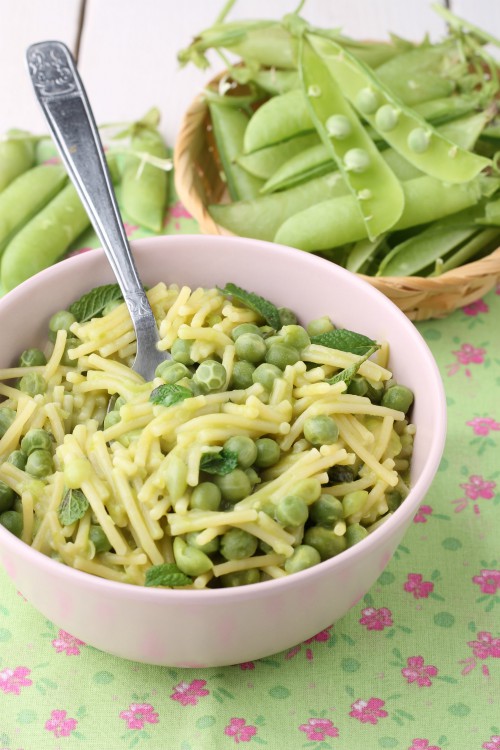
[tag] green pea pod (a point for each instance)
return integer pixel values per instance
(374, 186)
(417, 75)
(260, 218)
(266, 161)
(229, 125)
(44, 239)
(17, 154)
(280, 118)
(400, 126)
(361, 253)
(483, 243)
(439, 111)
(310, 162)
(337, 221)
(275, 81)
(144, 186)
(25, 196)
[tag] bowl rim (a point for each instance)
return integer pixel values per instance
(274, 586)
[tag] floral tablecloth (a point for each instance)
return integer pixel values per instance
(414, 666)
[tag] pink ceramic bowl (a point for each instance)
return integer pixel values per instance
(226, 626)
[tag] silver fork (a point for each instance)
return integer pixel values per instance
(64, 103)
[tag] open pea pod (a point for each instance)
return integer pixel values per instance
(399, 125)
(377, 190)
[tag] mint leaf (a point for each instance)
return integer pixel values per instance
(170, 394)
(93, 303)
(167, 574)
(258, 304)
(344, 341)
(219, 463)
(73, 506)
(349, 372)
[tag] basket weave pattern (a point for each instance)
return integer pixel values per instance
(199, 184)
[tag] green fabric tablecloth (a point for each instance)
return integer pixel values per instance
(414, 666)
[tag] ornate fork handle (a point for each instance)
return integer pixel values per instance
(64, 102)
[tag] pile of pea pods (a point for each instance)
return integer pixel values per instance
(382, 157)
(41, 215)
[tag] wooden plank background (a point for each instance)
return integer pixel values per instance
(127, 49)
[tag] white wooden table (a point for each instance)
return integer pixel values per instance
(127, 49)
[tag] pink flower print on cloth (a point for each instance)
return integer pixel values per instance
(240, 730)
(422, 745)
(485, 646)
(66, 643)
(417, 671)
(475, 489)
(488, 581)
(368, 712)
(317, 729)
(59, 724)
(139, 714)
(188, 693)
(493, 744)
(12, 680)
(466, 355)
(483, 425)
(475, 308)
(376, 619)
(422, 513)
(417, 586)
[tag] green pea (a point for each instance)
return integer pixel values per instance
(268, 452)
(367, 101)
(304, 556)
(308, 489)
(40, 464)
(287, 316)
(250, 347)
(162, 368)
(266, 374)
(33, 383)
(7, 497)
(326, 510)
(240, 578)
(375, 390)
(295, 336)
(7, 417)
(210, 375)
(321, 430)
(386, 118)
(99, 539)
(111, 418)
(35, 440)
(175, 373)
(60, 321)
(281, 355)
(234, 486)
(209, 548)
(181, 351)
(393, 499)
(355, 533)
(245, 328)
(175, 475)
(358, 386)
(244, 447)
(12, 521)
(325, 541)
(419, 140)
(192, 561)
(353, 502)
(319, 325)
(205, 496)
(32, 358)
(291, 511)
(398, 397)
(71, 343)
(252, 476)
(356, 160)
(340, 474)
(338, 126)
(237, 544)
(18, 459)
(241, 376)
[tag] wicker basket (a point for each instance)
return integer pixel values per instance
(198, 184)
